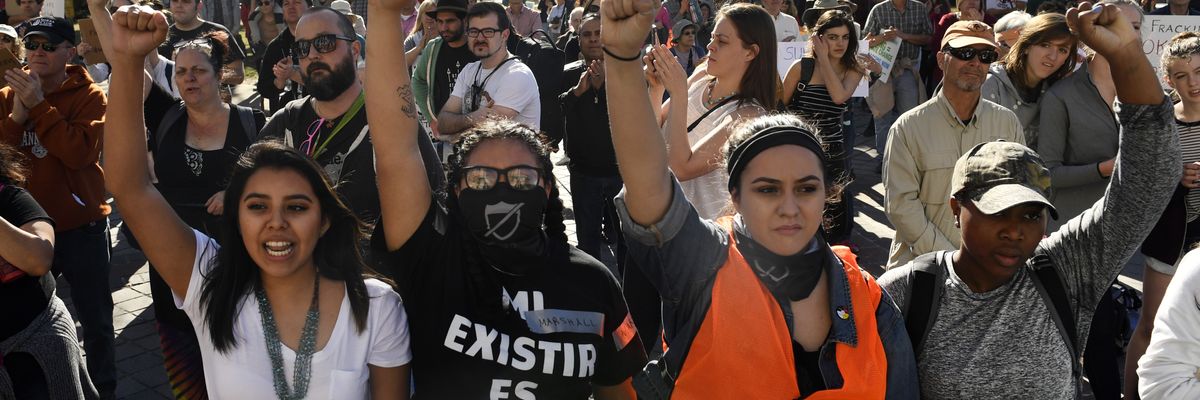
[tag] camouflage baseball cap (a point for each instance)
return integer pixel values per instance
(999, 175)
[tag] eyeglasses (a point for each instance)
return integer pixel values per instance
(323, 43)
(33, 46)
(986, 56)
(487, 32)
(521, 177)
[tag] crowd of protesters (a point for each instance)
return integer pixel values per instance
(390, 225)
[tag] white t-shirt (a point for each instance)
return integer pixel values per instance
(512, 86)
(339, 370)
(786, 28)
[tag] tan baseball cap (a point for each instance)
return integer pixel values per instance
(966, 33)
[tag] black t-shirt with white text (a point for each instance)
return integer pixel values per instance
(567, 328)
(24, 298)
(450, 62)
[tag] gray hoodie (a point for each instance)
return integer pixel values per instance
(999, 89)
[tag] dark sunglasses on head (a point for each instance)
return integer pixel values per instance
(986, 56)
(32, 46)
(521, 177)
(486, 32)
(323, 43)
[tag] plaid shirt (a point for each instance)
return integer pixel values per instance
(359, 7)
(914, 20)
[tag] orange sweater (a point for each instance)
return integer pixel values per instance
(61, 141)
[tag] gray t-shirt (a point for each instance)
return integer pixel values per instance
(1003, 343)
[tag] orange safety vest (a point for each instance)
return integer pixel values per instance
(743, 349)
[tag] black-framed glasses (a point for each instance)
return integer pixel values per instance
(986, 56)
(49, 48)
(520, 177)
(323, 43)
(486, 32)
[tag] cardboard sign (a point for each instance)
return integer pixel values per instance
(7, 61)
(87, 31)
(1157, 31)
(790, 52)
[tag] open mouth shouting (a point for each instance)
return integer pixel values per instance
(278, 249)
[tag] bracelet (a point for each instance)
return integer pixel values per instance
(619, 58)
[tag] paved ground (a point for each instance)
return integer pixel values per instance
(139, 360)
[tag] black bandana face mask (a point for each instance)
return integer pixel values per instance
(505, 217)
(794, 276)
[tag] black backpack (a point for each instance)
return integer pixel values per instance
(925, 295)
(546, 61)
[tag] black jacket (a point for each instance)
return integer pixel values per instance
(276, 50)
(585, 126)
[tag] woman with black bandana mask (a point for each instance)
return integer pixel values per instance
(755, 305)
(501, 306)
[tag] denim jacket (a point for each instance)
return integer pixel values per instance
(681, 255)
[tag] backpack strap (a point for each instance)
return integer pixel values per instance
(924, 296)
(807, 66)
(169, 118)
(1050, 286)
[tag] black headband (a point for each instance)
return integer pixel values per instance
(768, 138)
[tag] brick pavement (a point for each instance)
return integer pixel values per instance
(139, 359)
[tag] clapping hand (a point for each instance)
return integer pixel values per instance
(27, 87)
(669, 73)
(137, 31)
(625, 24)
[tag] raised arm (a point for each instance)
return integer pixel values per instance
(1091, 249)
(641, 154)
(840, 88)
(102, 21)
(169, 244)
(404, 190)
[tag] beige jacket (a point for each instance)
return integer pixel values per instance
(923, 146)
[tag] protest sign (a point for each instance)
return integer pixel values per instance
(87, 33)
(884, 53)
(1157, 31)
(790, 52)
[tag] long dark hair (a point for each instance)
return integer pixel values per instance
(12, 165)
(756, 27)
(234, 274)
(1039, 29)
(833, 19)
(483, 283)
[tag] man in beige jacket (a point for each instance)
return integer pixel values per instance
(927, 140)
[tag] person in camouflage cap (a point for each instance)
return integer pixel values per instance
(998, 175)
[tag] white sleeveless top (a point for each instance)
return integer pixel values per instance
(707, 193)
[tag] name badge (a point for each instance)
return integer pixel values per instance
(565, 321)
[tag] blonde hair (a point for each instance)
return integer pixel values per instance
(425, 7)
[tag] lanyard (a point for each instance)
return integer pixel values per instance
(349, 115)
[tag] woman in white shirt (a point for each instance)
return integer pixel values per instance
(1171, 367)
(282, 310)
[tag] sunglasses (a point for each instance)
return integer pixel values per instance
(323, 43)
(986, 56)
(521, 177)
(33, 46)
(486, 32)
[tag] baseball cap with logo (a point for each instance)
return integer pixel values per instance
(998, 175)
(966, 33)
(54, 29)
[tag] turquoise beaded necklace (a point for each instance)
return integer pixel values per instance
(302, 370)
